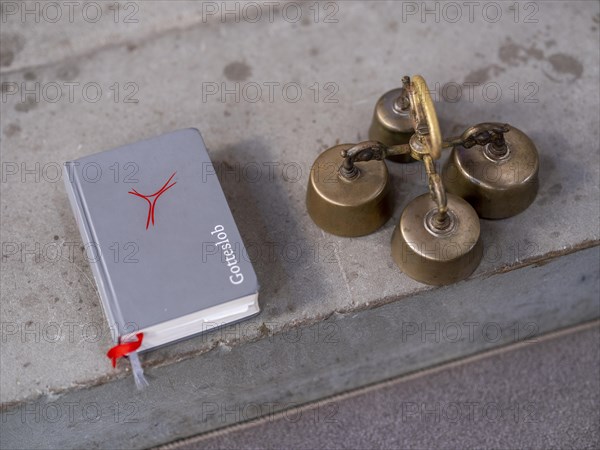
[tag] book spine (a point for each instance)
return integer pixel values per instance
(97, 263)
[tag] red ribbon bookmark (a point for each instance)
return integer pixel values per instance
(124, 349)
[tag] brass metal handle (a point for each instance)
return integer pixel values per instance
(441, 220)
(363, 151)
(488, 133)
(367, 151)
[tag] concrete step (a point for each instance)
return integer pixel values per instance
(541, 395)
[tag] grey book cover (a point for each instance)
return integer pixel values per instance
(164, 248)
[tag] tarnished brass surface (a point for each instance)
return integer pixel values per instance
(437, 256)
(348, 206)
(498, 181)
(391, 124)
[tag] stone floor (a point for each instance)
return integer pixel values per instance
(269, 94)
(537, 395)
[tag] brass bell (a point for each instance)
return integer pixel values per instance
(348, 199)
(433, 251)
(492, 171)
(495, 168)
(391, 124)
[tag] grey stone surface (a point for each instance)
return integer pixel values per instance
(239, 382)
(42, 33)
(265, 149)
(489, 402)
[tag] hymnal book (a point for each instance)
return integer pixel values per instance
(166, 254)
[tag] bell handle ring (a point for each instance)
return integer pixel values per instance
(428, 137)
